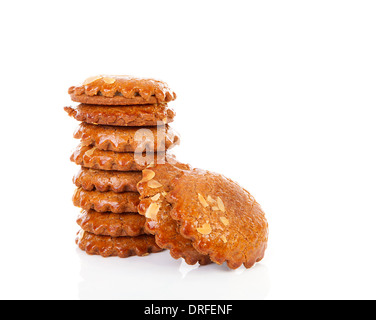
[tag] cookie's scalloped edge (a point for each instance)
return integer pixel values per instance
(123, 227)
(107, 246)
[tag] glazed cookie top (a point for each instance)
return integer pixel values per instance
(121, 90)
(222, 219)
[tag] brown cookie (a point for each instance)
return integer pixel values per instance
(102, 180)
(145, 115)
(122, 247)
(127, 139)
(221, 219)
(121, 90)
(91, 157)
(156, 209)
(112, 224)
(106, 201)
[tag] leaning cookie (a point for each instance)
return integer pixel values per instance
(112, 224)
(220, 219)
(121, 90)
(106, 180)
(153, 205)
(106, 201)
(127, 139)
(122, 247)
(143, 115)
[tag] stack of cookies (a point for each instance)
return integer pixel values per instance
(124, 129)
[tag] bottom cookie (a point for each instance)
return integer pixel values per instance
(122, 247)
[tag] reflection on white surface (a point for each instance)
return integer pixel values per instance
(158, 276)
(186, 268)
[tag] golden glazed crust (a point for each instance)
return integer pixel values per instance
(145, 115)
(121, 90)
(127, 139)
(221, 218)
(122, 247)
(106, 201)
(91, 157)
(112, 224)
(102, 180)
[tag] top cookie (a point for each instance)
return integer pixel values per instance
(121, 90)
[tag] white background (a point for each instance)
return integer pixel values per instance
(277, 95)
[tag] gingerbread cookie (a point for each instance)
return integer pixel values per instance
(127, 139)
(144, 115)
(106, 201)
(105, 180)
(122, 247)
(91, 157)
(221, 219)
(121, 90)
(153, 205)
(112, 224)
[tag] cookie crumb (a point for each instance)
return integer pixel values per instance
(152, 211)
(109, 80)
(156, 197)
(206, 229)
(154, 184)
(224, 221)
(211, 200)
(147, 174)
(90, 152)
(221, 206)
(91, 79)
(202, 200)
